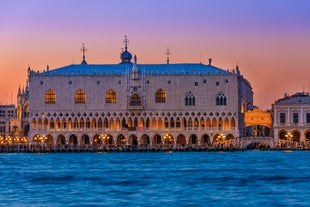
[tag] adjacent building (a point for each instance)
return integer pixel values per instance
(291, 120)
(145, 105)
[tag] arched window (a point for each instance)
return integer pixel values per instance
(110, 96)
(50, 97)
(160, 96)
(221, 100)
(80, 96)
(190, 99)
(135, 100)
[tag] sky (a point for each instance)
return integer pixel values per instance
(268, 39)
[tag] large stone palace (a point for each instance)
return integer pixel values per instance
(132, 104)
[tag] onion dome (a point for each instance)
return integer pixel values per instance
(125, 55)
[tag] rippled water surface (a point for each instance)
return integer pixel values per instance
(156, 179)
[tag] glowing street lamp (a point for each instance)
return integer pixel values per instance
(289, 137)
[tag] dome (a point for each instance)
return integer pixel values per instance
(126, 57)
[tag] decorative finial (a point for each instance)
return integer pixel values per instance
(168, 54)
(126, 42)
(83, 51)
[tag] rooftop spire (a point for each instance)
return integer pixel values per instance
(168, 54)
(126, 42)
(83, 49)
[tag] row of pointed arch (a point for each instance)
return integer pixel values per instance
(120, 140)
(133, 124)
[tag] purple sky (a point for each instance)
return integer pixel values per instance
(269, 40)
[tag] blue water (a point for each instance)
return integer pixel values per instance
(268, 178)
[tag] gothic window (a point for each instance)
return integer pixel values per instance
(160, 96)
(221, 99)
(50, 97)
(80, 96)
(190, 99)
(135, 100)
(110, 96)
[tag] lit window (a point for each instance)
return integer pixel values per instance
(80, 96)
(110, 96)
(50, 97)
(135, 100)
(221, 99)
(190, 99)
(160, 96)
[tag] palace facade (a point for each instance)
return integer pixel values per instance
(132, 104)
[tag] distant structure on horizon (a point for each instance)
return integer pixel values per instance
(137, 104)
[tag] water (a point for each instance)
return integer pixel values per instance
(270, 178)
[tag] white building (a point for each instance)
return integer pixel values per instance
(149, 105)
(291, 122)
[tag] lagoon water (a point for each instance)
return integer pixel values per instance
(259, 178)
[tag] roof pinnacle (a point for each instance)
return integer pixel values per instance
(83, 49)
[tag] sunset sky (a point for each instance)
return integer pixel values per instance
(268, 39)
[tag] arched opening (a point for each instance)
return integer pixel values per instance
(93, 124)
(220, 124)
(202, 124)
(106, 124)
(190, 124)
(296, 136)
(97, 141)
(208, 124)
(76, 124)
(157, 140)
(100, 124)
(61, 142)
(80, 96)
(58, 124)
(166, 123)
(73, 141)
(118, 124)
(70, 124)
(112, 124)
(39, 124)
(33, 124)
(133, 140)
(52, 124)
(85, 142)
(154, 124)
(178, 124)
(226, 124)
(45, 124)
(50, 97)
(64, 124)
(145, 140)
(184, 123)
(232, 124)
(196, 124)
(121, 141)
(82, 124)
(160, 124)
(181, 140)
(205, 140)
(193, 140)
(87, 124)
(147, 123)
(214, 124)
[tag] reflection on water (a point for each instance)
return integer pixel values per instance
(153, 179)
